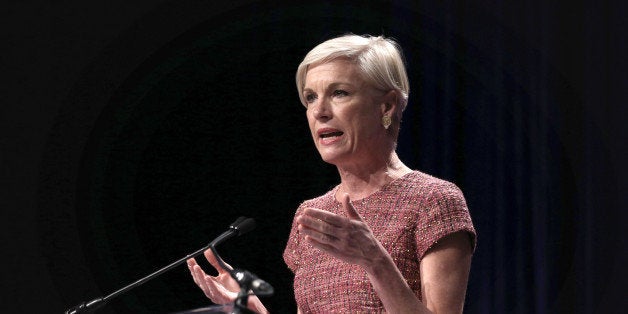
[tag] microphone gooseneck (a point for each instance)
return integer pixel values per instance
(241, 226)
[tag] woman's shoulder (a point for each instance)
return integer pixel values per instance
(417, 178)
(428, 186)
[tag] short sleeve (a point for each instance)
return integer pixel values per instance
(445, 212)
(291, 254)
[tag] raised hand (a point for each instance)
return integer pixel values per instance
(349, 238)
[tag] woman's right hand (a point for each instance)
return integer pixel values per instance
(221, 289)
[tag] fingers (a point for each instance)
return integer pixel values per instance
(320, 226)
(221, 289)
(332, 218)
(314, 217)
(351, 212)
(207, 283)
(329, 223)
(198, 275)
(211, 258)
(201, 281)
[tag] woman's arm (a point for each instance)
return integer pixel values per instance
(444, 274)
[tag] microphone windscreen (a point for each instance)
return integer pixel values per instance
(245, 226)
(237, 222)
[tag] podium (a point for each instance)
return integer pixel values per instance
(212, 309)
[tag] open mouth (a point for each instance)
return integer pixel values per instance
(331, 134)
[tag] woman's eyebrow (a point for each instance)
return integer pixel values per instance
(337, 84)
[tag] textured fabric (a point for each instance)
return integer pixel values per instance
(407, 216)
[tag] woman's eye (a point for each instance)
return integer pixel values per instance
(309, 98)
(340, 92)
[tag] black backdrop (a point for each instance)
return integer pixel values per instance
(132, 134)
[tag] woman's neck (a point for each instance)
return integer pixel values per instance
(360, 182)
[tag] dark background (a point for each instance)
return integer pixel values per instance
(134, 133)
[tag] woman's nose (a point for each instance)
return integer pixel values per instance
(322, 110)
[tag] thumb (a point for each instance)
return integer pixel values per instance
(351, 212)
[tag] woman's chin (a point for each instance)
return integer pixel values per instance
(329, 157)
(335, 158)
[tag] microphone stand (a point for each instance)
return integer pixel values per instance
(240, 226)
(92, 305)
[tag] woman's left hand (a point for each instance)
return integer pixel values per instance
(349, 238)
(221, 289)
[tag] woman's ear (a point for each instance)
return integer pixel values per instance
(389, 103)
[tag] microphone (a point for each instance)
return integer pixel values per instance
(241, 226)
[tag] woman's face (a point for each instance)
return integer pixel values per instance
(344, 114)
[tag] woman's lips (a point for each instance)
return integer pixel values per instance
(329, 135)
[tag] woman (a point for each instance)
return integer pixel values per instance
(386, 239)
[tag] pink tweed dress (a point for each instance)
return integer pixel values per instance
(408, 216)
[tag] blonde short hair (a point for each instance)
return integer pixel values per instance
(379, 59)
